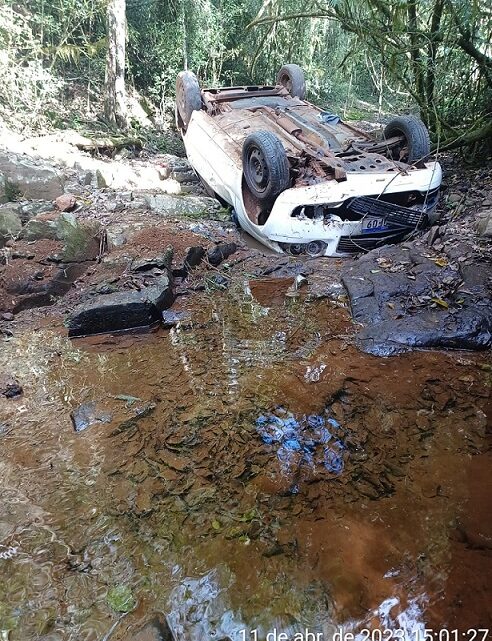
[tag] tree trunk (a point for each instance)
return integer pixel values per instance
(115, 99)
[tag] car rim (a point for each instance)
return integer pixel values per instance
(258, 169)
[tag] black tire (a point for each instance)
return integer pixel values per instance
(292, 78)
(417, 142)
(265, 166)
(188, 98)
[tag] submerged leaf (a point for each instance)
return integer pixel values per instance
(120, 598)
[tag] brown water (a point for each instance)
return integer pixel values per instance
(258, 472)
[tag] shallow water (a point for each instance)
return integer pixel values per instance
(253, 471)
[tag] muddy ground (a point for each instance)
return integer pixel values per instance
(264, 462)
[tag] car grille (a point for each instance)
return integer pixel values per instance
(365, 242)
(396, 215)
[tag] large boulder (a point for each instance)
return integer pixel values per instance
(123, 310)
(404, 298)
(30, 179)
(10, 223)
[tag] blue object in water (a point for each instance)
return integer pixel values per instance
(303, 435)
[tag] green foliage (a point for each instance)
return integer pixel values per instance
(428, 56)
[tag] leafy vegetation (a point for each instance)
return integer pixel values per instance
(432, 57)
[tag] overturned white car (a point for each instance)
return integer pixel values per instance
(300, 180)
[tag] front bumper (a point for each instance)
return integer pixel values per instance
(340, 236)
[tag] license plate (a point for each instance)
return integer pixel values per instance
(371, 223)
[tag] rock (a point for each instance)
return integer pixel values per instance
(32, 292)
(193, 258)
(31, 209)
(10, 386)
(455, 198)
(217, 281)
(32, 180)
(406, 299)
(3, 189)
(221, 252)
(7, 316)
(88, 414)
(169, 205)
(80, 237)
(484, 223)
(160, 261)
(42, 226)
(66, 202)
(10, 223)
(100, 180)
(123, 310)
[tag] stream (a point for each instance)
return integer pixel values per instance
(245, 473)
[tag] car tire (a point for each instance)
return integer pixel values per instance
(188, 97)
(417, 141)
(265, 166)
(292, 78)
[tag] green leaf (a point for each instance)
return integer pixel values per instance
(440, 302)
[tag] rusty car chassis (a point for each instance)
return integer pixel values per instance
(338, 190)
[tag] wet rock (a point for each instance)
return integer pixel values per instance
(30, 179)
(66, 202)
(160, 261)
(123, 310)
(220, 253)
(405, 299)
(193, 258)
(10, 386)
(10, 223)
(155, 628)
(88, 414)
(37, 288)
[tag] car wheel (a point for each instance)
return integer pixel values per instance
(188, 97)
(292, 78)
(265, 166)
(416, 144)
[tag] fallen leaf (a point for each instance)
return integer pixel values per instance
(440, 262)
(440, 302)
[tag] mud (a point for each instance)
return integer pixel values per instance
(253, 470)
